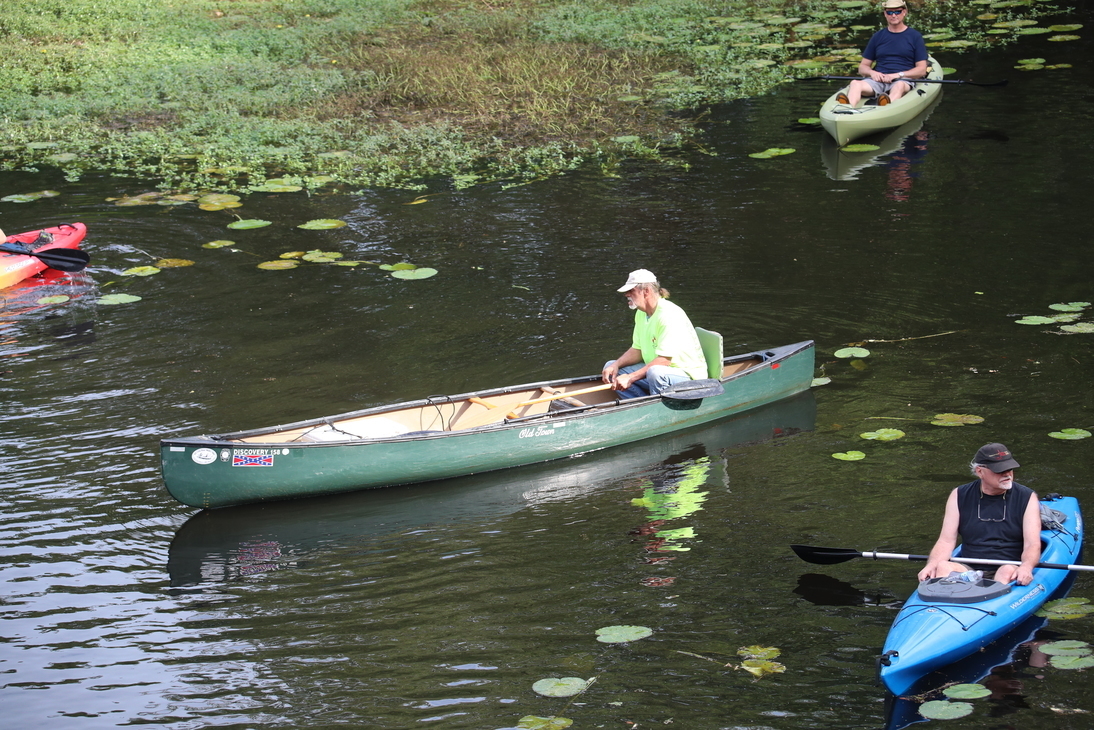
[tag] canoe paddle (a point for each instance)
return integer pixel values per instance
(831, 556)
(918, 81)
(62, 259)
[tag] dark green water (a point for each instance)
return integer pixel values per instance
(441, 605)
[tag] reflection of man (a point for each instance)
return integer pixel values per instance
(996, 518)
(664, 347)
(895, 56)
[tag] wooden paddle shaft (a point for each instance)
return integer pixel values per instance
(556, 396)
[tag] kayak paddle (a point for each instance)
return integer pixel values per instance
(62, 259)
(831, 556)
(918, 81)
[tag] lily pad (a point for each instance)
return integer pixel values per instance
(860, 148)
(966, 691)
(29, 197)
(1071, 661)
(761, 667)
(820, 381)
(622, 634)
(883, 434)
(1069, 306)
(173, 263)
(809, 120)
(1035, 319)
(1066, 608)
(1066, 28)
(943, 710)
(1080, 328)
(560, 686)
(55, 299)
(141, 271)
(1061, 38)
(320, 257)
(218, 244)
(955, 419)
(118, 299)
(852, 352)
(218, 198)
(1068, 647)
(404, 266)
(422, 273)
(1070, 434)
(849, 456)
(322, 224)
(759, 652)
(532, 722)
(243, 225)
(773, 152)
(279, 265)
(275, 188)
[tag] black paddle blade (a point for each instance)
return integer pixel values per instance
(61, 259)
(823, 555)
(694, 389)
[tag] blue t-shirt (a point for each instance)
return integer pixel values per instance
(895, 52)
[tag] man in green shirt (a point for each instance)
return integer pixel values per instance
(664, 347)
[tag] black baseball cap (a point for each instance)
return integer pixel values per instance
(996, 457)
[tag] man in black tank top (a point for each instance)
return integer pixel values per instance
(994, 516)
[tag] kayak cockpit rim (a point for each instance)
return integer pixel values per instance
(440, 415)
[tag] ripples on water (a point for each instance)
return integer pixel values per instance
(440, 605)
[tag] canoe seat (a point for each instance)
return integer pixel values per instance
(711, 342)
(369, 428)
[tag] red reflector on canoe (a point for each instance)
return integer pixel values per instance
(774, 366)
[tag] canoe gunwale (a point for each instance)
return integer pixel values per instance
(766, 356)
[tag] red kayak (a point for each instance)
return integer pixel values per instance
(63, 239)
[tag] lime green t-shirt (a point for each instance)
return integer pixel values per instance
(669, 333)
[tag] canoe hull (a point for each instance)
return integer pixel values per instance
(927, 636)
(846, 125)
(220, 471)
(15, 267)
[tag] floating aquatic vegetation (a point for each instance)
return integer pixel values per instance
(622, 634)
(1069, 654)
(1069, 306)
(809, 120)
(1066, 28)
(218, 244)
(883, 434)
(1072, 661)
(561, 686)
(242, 225)
(55, 299)
(1080, 328)
(275, 186)
(820, 381)
(118, 299)
(29, 197)
(849, 456)
(966, 692)
(321, 257)
(1070, 434)
(1066, 608)
(422, 273)
(772, 152)
(218, 201)
(173, 263)
(280, 265)
(846, 352)
(1035, 319)
(955, 419)
(1015, 23)
(533, 722)
(141, 271)
(323, 224)
(944, 710)
(1032, 31)
(1059, 38)
(860, 148)
(758, 662)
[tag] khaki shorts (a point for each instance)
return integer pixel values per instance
(881, 88)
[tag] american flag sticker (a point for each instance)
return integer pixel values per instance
(252, 460)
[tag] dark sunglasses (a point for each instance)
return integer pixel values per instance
(895, 12)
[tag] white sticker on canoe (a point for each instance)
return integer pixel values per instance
(204, 456)
(254, 457)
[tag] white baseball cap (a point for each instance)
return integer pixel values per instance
(638, 276)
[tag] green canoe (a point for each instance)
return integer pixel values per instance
(448, 436)
(847, 124)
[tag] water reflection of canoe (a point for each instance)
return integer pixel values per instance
(16, 267)
(927, 635)
(223, 544)
(842, 164)
(447, 436)
(846, 124)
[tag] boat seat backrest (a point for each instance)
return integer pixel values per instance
(711, 342)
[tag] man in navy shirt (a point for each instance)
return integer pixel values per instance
(893, 59)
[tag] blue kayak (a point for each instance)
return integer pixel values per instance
(942, 623)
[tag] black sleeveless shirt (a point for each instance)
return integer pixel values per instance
(991, 527)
